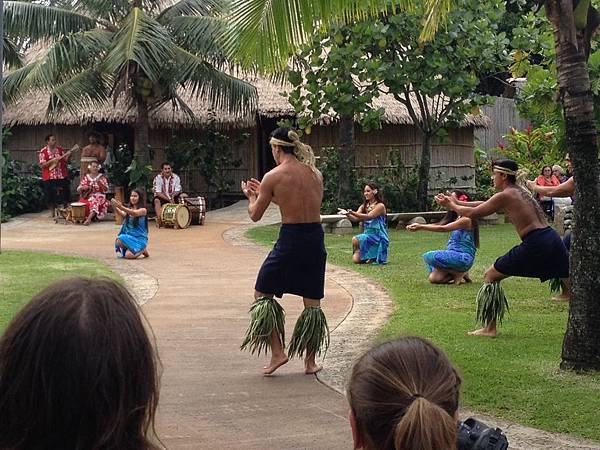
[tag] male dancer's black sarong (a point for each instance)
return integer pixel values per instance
(542, 255)
(296, 265)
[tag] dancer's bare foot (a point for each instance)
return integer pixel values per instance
(458, 279)
(467, 278)
(483, 332)
(562, 298)
(312, 368)
(275, 364)
(87, 222)
(146, 254)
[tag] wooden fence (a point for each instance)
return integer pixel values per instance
(504, 115)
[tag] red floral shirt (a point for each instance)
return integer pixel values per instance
(57, 173)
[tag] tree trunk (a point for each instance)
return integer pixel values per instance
(424, 166)
(142, 152)
(581, 345)
(346, 163)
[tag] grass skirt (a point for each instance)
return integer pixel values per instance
(491, 303)
(311, 333)
(266, 315)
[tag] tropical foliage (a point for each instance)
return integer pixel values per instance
(349, 65)
(267, 32)
(21, 191)
(88, 52)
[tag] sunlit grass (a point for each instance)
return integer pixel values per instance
(514, 376)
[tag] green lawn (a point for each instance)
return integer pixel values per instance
(23, 274)
(514, 376)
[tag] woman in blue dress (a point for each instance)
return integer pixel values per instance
(371, 246)
(452, 264)
(132, 239)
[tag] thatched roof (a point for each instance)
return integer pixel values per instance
(31, 110)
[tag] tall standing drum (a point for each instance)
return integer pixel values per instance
(175, 215)
(197, 207)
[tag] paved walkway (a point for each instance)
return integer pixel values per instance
(196, 289)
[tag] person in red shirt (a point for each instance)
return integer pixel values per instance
(546, 178)
(53, 159)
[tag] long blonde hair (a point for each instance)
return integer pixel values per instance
(290, 142)
(404, 396)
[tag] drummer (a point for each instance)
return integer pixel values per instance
(94, 151)
(167, 189)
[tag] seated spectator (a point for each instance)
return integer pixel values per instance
(559, 173)
(92, 191)
(78, 371)
(403, 395)
(547, 179)
(167, 189)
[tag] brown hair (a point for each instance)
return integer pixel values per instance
(78, 371)
(452, 215)
(404, 395)
(378, 196)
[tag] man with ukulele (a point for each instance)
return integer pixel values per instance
(55, 177)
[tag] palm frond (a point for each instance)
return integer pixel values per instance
(68, 56)
(436, 13)
(223, 91)
(203, 35)
(36, 21)
(141, 40)
(87, 88)
(13, 83)
(267, 32)
(110, 10)
(171, 9)
(12, 54)
(491, 303)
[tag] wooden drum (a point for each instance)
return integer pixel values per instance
(77, 211)
(197, 207)
(175, 215)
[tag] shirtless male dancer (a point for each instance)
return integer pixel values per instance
(296, 265)
(566, 189)
(541, 253)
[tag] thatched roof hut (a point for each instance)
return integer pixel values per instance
(272, 103)
(451, 160)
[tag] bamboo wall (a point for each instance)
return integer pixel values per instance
(504, 115)
(26, 141)
(451, 160)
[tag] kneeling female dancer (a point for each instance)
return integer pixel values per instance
(371, 246)
(132, 239)
(452, 264)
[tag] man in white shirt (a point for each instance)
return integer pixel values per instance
(167, 189)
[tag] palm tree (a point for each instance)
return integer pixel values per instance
(141, 52)
(264, 33)
(574, 24)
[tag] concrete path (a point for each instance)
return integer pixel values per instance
(196, 289)
(212, 396)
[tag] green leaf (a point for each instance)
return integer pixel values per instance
(141, 40)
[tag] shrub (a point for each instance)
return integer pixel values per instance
(21, 188)
(397, 183)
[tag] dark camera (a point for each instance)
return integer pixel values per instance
(476, 435)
